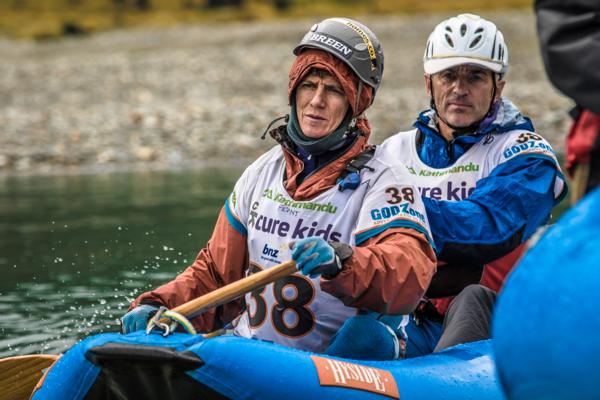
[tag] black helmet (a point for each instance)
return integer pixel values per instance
(351, 42)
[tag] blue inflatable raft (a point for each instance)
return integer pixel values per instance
(182, 366)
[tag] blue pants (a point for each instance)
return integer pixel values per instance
(365, 337)
(374, 336)
(468, 319)
(422, 338)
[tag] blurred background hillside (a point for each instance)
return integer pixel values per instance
(42, 19)
(98, 85)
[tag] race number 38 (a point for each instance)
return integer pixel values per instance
(289, 313)
(397, 195)
(527, 136)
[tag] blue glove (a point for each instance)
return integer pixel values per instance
(137, 319)
(314, 257)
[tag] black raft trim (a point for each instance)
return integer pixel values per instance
(101, 355)
(130, 371)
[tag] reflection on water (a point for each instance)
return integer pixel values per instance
(75, 250)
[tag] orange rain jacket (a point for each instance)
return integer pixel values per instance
(388, 273)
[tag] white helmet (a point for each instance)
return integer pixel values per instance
(465, 39)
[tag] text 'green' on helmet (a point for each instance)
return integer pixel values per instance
(351, 42)
(465, 39)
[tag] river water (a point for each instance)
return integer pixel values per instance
(76, 249)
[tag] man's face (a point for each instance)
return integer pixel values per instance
(321, 104)
(463, 94)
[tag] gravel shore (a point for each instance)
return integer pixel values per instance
(201, 95)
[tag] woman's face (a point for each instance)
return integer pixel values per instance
(321, 104)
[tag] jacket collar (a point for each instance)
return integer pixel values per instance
(322, 179)
(507, 117)
(435, 151)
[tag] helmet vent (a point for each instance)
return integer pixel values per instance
(466, 39)
(475, 41)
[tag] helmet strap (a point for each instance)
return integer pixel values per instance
(494, 90)
(358, 93)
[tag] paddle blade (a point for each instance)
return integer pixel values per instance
(20, 374)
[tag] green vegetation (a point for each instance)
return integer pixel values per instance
(42, 19)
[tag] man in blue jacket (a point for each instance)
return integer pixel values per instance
(487, 179)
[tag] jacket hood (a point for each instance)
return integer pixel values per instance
(313, 58)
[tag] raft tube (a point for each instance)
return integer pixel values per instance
(546, 327)
(183, 366)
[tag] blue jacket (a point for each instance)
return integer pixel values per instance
(523, 187)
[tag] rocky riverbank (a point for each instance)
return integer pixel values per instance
(199, 95)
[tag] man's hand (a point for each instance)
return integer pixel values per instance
(314, 257)
(137, 319)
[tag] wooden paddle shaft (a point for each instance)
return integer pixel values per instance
(236, 289)
(579, 182)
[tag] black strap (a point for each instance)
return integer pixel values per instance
(419, 140)
(350, 177)
(360, 162)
